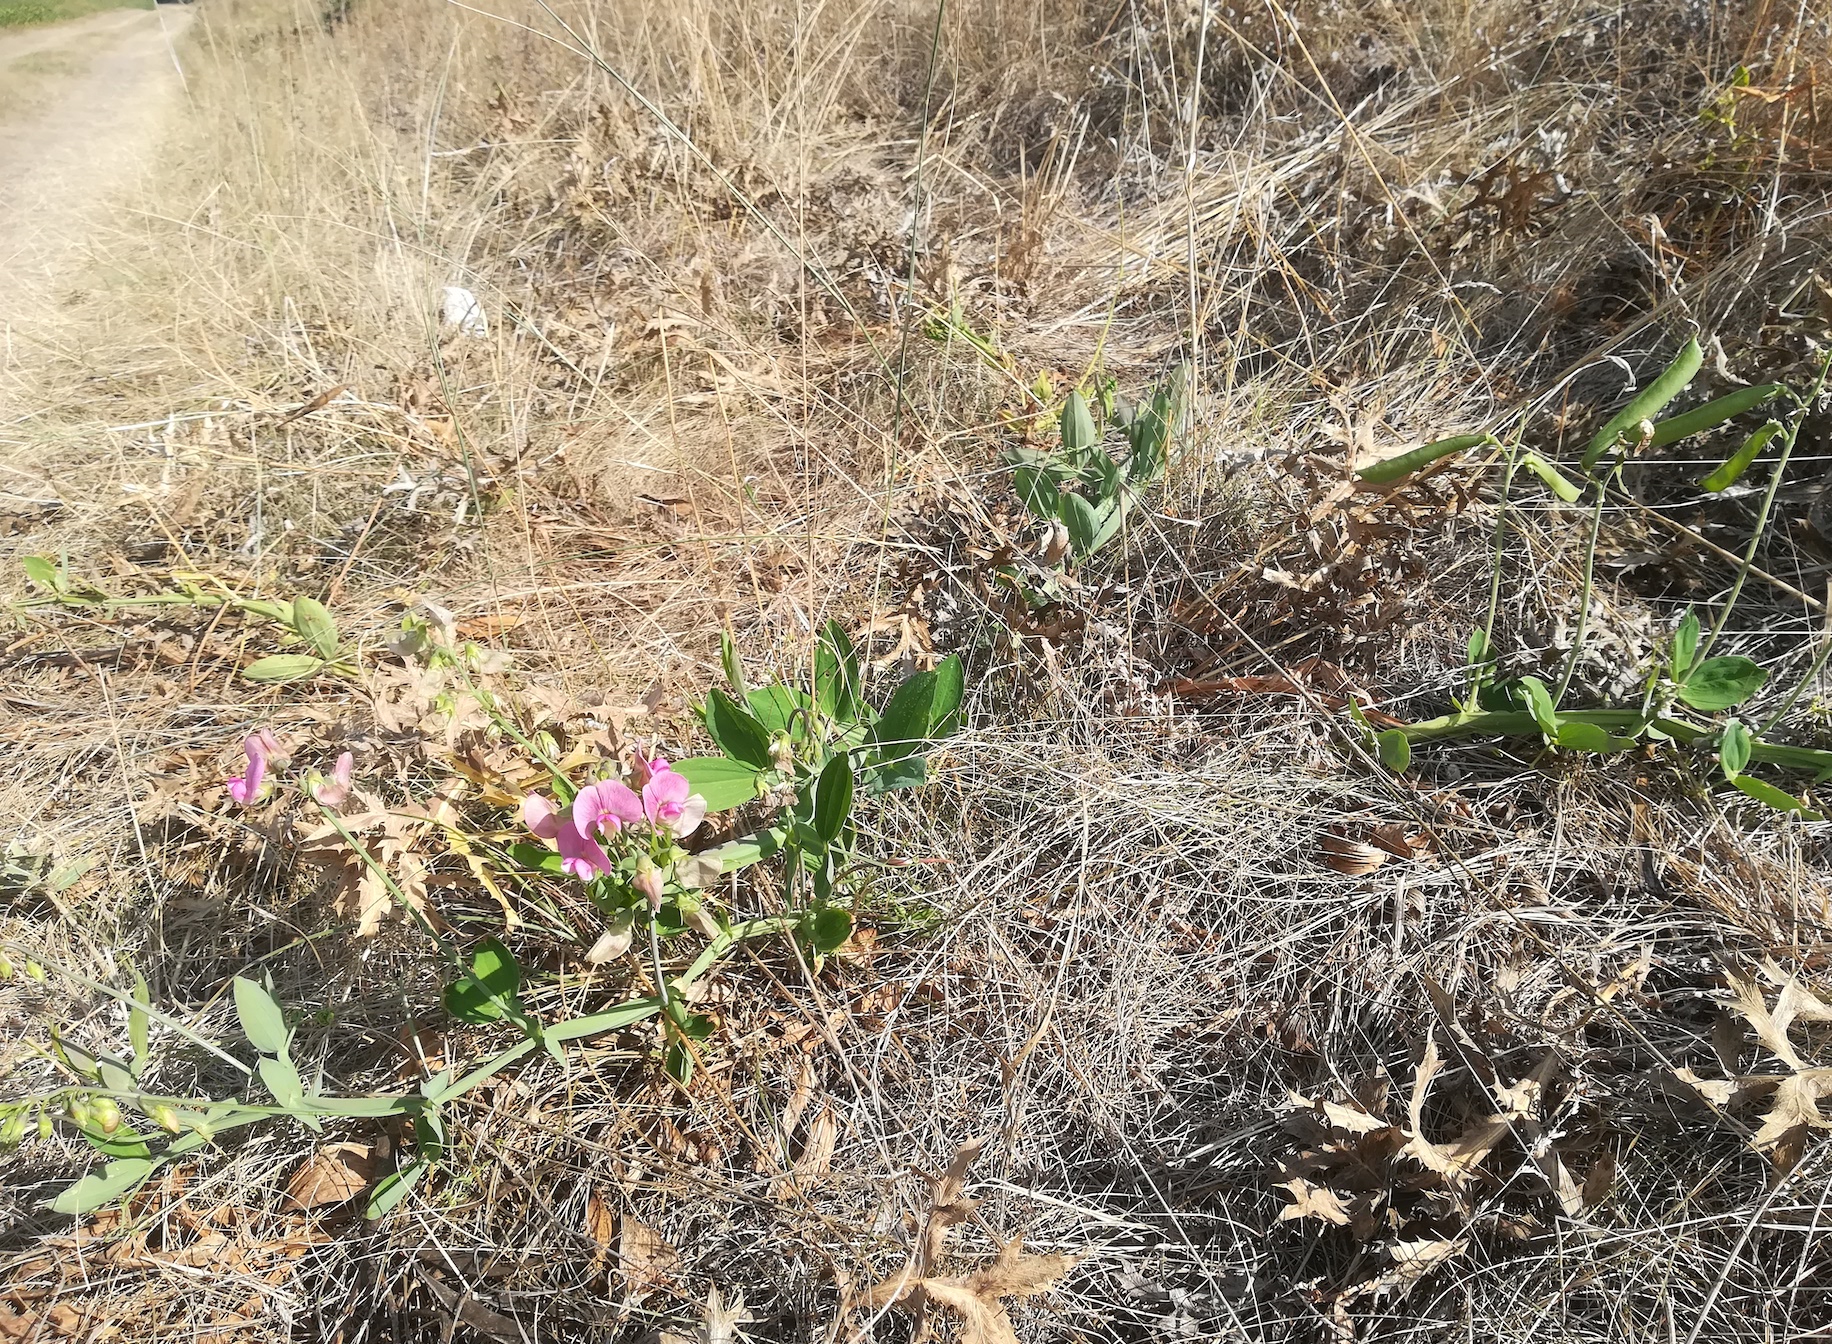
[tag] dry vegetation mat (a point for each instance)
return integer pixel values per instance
(846, 672)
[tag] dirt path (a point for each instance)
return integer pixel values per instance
(82, 105)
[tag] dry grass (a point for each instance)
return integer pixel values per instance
(1115, 945)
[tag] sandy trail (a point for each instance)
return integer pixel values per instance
(82, 106)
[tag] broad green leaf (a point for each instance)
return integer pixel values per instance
(1764, 792)
(1395, 749)
(120, 1177)
(1392, 468)
(282, 1080)
(315, 626)
(775, 708)
(1036, 491)
(736, 730)
(1738, 462)
(721, 781)
(538, 858)
(903, 728)
(1081, 519)
(837, 680)
(429, 1136)
(121, 1143)
(950, 689)
(280, 667)
(488, 993)
(735, 855)
(263, 1023)
(1539, 705)
(1111, 514)
(43, 572)
(116, 1076)
(1106, 474)
(1576, 736)
(1685, 644)
(826, 927)
(1077, 425)
(1550, 474)
(1648, 402)
(833, 798)
(1719, 683)
(1714, 413)
(393, 1188)
(912, 772)
(1733, 749)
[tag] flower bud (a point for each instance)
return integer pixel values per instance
(33, 971)
(44, 1126)
(105, 1115)
(165, 1117)
(78, 1111)
(782, 752)
(12, 1130)
(648, 881)
(6, 967)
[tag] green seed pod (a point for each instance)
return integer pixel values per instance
(1392, 468)
(1728, 474)
(1714, 413)
(1648, 402)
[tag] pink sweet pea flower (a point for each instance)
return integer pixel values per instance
(644, 768)
(251, 786)
(606, 807)
(648, 881)
(580, 855)
(332, 792)
(670, 804)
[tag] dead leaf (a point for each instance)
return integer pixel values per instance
(333, 1174)
(600, 1225)
(1313, 1201)
(648, 1262)
(978, 1298)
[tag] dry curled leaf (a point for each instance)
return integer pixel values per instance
(335, 1173)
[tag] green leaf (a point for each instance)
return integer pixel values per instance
(393, 1188)
(1110, 515)
(736, 730)
(721, 781)
(1037, 491)
(950, 690)
(121, 1143)
(538, 858)
(116, 1076)
(1081, 519)
(1392, 468)
(1685, 644)
(910, 773)
(1148, 438)
(1648, 402)
(732, 663)
(488, 993)
(280, 667)
(826, 927)
(1719, 683)
(315, 625)
(1077, 425)
(776, 709)
(138, 1027)
(1733, 749)
(837, 681)
(120, 1177)
(735, 855)
(1550, 474)
(429, 1134)
(903, 728)
(43, 572)
(1714, 413)
(281, 1079)
(1764, 792)
(1539, 705)
(263, 1023)
(1738, 462)
(1395, 749)
(1576, 736)
(833, 798)
(1106, 475)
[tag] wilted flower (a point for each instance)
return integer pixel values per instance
(580, 855)
(251, 785)
(332, 792)
(649, 882)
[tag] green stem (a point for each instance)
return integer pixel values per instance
(1601, 485)
(1519, 723)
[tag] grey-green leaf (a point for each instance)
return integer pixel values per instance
(1077, 424)
(1539, 704)
(1685, 643)
(120, 1177)
(282, 1080)
(1733, 749)
(1719, 683)
(315, 626)
(1395, 749)
(280, 667)
(263, 1023)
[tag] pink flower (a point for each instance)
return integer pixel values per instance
(251, 785)
(649, 882)
(644, 768)
(606, 807)
(580, 855)
(331, 792)
(669, 802)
